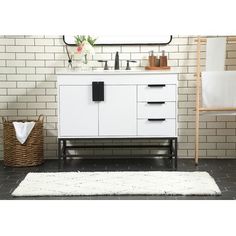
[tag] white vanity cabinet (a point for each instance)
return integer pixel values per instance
(135, 104)
(78, 114)
(117, 113)
(109, 104)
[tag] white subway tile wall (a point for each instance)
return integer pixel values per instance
(28, 66)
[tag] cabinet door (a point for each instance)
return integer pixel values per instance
(117, 113)
(78, 114)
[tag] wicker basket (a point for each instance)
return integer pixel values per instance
(28, 154)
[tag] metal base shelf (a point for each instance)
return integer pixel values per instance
(172, 148)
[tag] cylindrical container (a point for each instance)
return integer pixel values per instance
(152, 61)
(163, 59)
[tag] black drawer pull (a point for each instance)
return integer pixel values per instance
(157, 119)
(155, 102)
(156, 85)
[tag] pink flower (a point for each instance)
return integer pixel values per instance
(79, 49)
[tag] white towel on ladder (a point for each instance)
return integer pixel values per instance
(215, 54)
(23, 130)
(218, 90)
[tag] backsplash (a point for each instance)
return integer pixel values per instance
(28, 67)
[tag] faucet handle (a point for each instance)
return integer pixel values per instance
(106, 65)
(128, 66)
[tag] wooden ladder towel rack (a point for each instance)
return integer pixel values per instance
(199, 108)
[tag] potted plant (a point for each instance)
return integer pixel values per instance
(85, 46)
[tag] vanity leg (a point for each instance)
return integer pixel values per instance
(59, 153)
(171, 148)
(176, 153)
(64, 149)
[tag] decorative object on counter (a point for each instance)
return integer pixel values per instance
(152, 59)
(85, 46)
(117, 62)
(69, 57)
(157, 68)
(163, 59)
(30, 153)
(157, 64)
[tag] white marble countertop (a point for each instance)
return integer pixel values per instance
(112, 72)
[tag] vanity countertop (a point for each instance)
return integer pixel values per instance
(111, 72)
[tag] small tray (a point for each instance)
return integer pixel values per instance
(157, 68)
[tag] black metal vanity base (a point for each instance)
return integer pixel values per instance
(171, 147)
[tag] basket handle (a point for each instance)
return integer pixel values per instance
(41, 118)
(4, 119)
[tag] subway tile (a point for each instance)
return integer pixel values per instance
(111, 49)
(35, 63)
(44, 56)
(45, 70)
(25, 56)
(7, 41)
(3, 91)
(226, 132)
(36, 91)
(46, 84)
(26, 84)
(16, 105)
(2, 63)
(130, 49)
(225, 146)
(15, 48)
(16, 77)
(8, 98)
(34, 48)
(27, 112)
(26, 70)
(35, 77)
(36, 105)
(8, 112)
(17, 63)
(27, 98)
(7, 70)
(55, 63)
(44, 42)
(18, 91)
(6, 55)
(54, 49)
(2, 48)
(25, 41)
(179, 41)
(46, 98)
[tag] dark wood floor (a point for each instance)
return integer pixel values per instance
(223, 171)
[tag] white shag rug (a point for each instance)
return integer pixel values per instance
(117, 183)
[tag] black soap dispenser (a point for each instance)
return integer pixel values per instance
(117, 63)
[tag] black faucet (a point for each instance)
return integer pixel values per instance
(117, 63)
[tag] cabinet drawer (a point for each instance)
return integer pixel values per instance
(165, 127)
(156, 92)
(156, 109)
